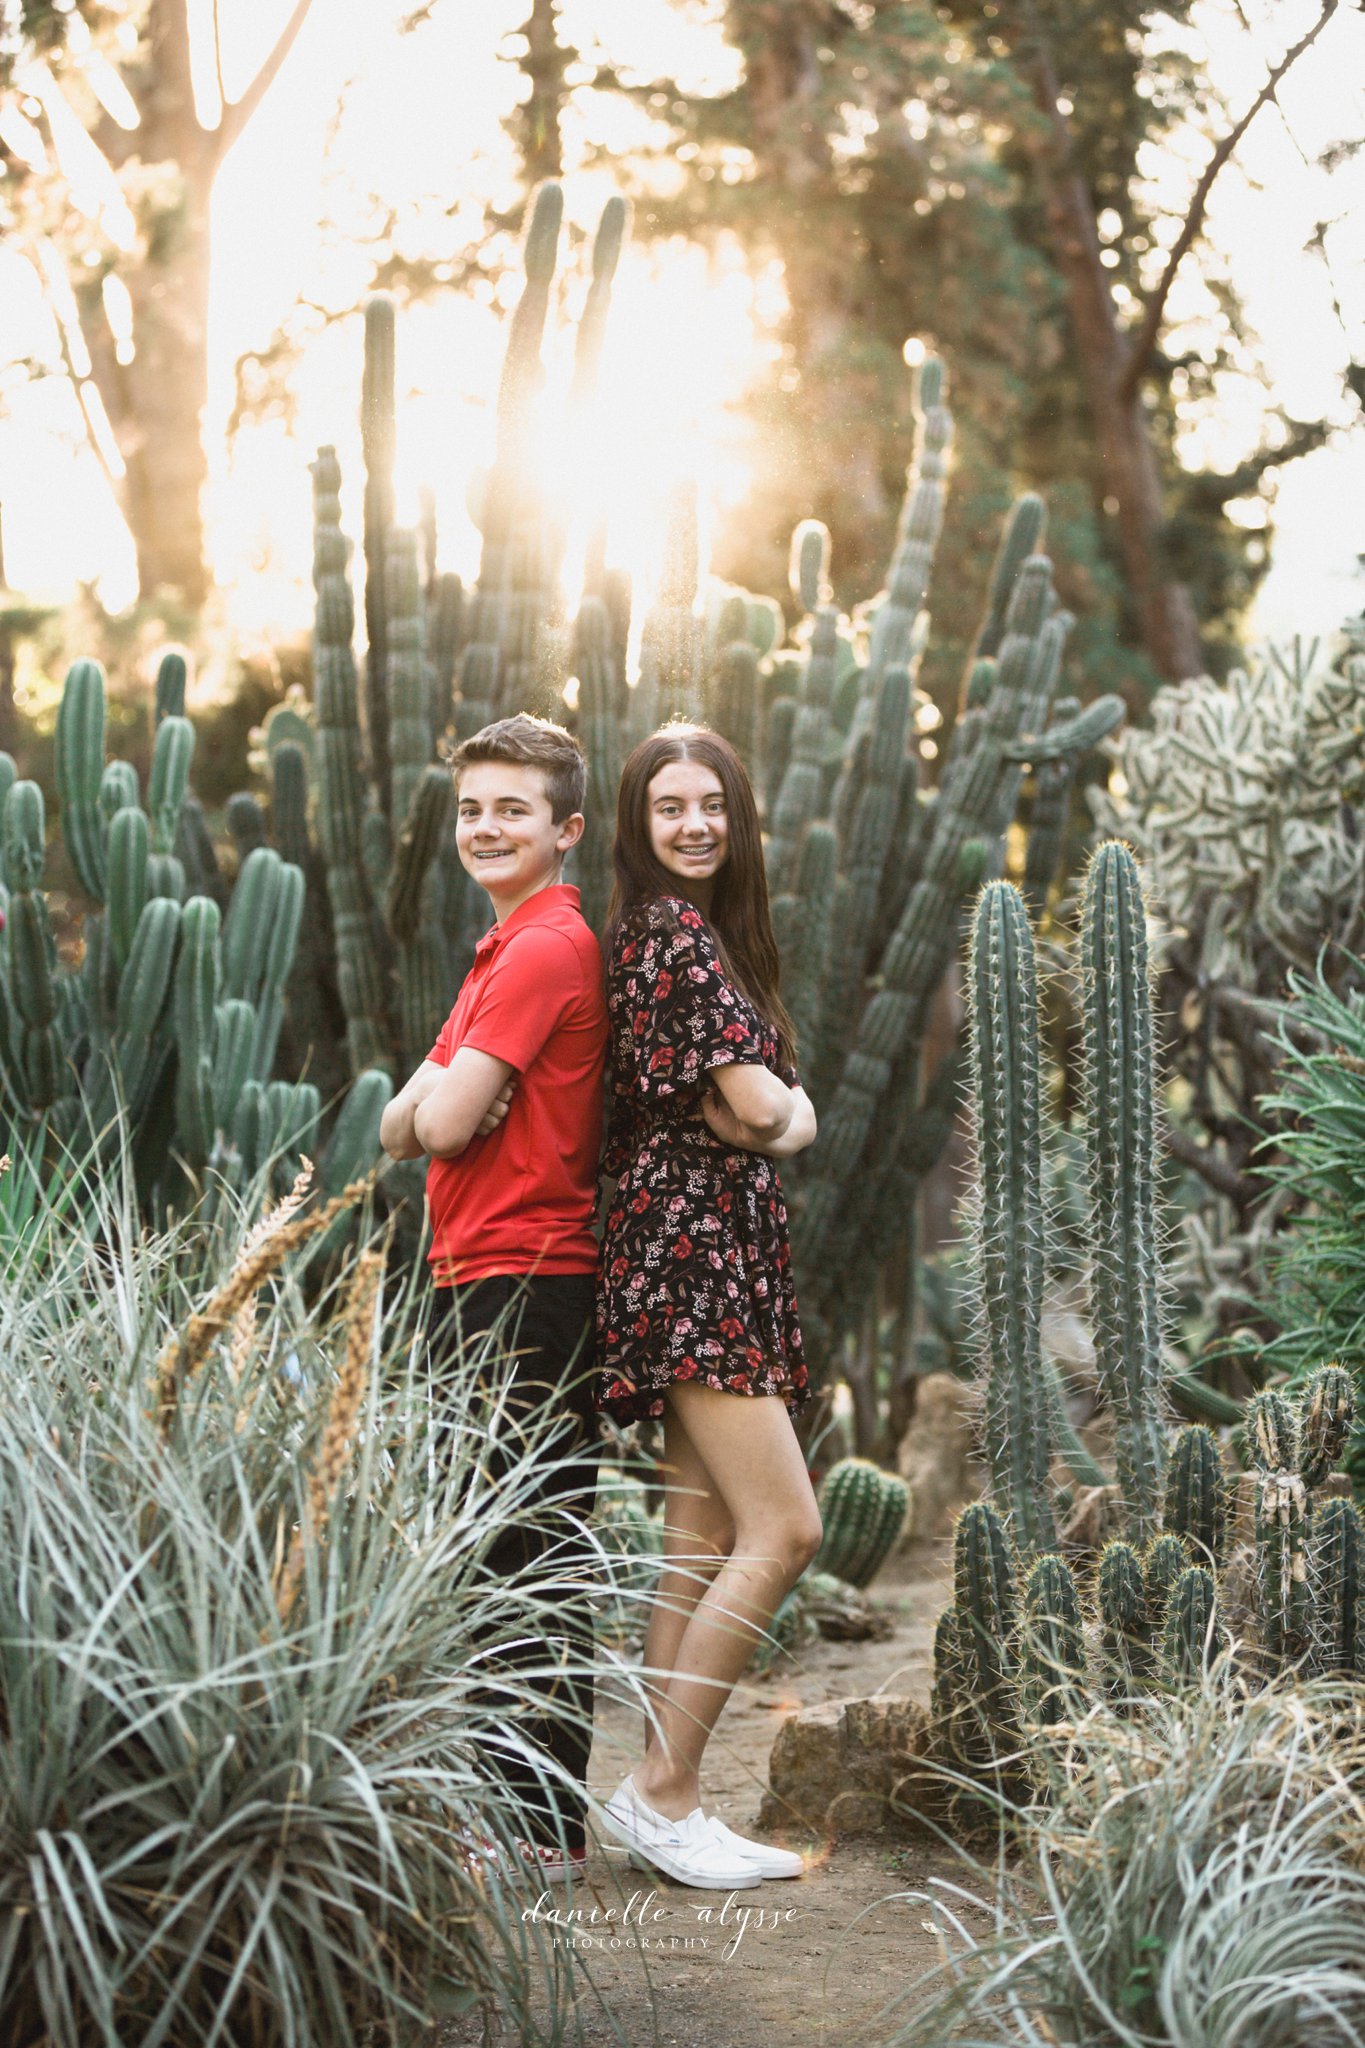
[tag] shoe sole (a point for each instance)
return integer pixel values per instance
(648, 1858)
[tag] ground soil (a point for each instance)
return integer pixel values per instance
(849, 1942)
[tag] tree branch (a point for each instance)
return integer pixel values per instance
(1213, 491)
(237, 113)
(1144, 341)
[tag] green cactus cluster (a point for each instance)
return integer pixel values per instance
(172, 1016)
(864, 1511)
(1024, 1643)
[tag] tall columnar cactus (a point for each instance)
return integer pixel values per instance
(1119, 1136)
(341, 788)
(79, 761)
(377, 430)
(1335, 1558)
(33, 1056)
(1008, 1239)
(987, 1614)
(1165, 1558)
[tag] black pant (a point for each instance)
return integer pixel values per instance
(548, 1321)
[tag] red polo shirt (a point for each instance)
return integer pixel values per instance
(522, 1199)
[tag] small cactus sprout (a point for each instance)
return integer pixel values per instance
(1052, 1650)
(1325, 1418)
(1196, 1493)
(1125, 1627)
(1336, 1549)
(1281, 1530)
(984, 1593)
(1193, 1634)
(864, 1511)
(1163, 1562)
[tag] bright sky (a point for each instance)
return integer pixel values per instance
(421, 126)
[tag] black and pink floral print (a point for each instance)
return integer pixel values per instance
(695, 1277)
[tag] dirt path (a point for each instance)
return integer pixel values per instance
(819, 1957)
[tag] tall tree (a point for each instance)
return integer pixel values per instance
(154, 387)
(946, 173)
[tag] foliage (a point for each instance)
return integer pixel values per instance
(1191, 1876)
(1316, 1270)
(250, 1665)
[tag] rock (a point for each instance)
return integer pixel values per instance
(938, 1454)
(847, 1767)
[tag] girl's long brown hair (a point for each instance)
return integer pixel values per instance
(739, 917)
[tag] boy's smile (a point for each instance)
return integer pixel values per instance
(506, 833)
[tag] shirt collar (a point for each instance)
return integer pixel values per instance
(535, 910)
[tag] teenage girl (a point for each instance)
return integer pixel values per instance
(696, 1318)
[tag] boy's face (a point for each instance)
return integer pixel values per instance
(507, 837)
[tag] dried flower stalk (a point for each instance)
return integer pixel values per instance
(183, 1356)
(362, 1306)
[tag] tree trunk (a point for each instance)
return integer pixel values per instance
(156, 401)
(156, 404)
(839, 403)
(1130, 479)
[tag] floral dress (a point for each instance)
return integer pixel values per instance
(695, 1275)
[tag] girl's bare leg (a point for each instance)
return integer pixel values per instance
(749, 1448)
(699, 1534)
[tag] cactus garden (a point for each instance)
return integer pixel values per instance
(843, 380)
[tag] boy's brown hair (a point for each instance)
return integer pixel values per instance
(533, 743)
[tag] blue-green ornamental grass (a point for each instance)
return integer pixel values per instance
(217, 1825)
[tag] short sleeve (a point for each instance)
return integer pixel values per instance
(684, 1015)
(531, 987)
(440, 1052)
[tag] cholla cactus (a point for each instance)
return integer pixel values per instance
(1238, 798)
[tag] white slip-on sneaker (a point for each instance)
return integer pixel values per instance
(771, 1861)
(685, 1850)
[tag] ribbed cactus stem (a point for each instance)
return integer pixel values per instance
(172, 674)
(1325, 1418)
(410, 736)
(1336, 1554)
(1120, 1156)
(1052, 1643)
(1196, 1494)
(1166, 1557)
(1022, 537)
(864, 1511)
(1008, 1239)
(1193, 1634)
(78, 757)
(1125, 1625)
(808, 571)
(377, 436)
(1282, 1517)
(340, 788)
(983, 1592)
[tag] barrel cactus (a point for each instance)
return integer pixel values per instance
(864, 1511)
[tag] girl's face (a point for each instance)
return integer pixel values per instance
(688, 828)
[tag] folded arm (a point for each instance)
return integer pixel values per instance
(751, 1109)
(441, 1108)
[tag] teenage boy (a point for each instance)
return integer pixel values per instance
(508, 1105)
